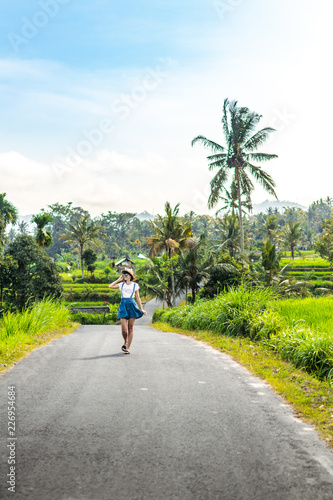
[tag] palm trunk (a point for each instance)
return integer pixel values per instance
(240, 216)
(193, 295)
(173, 287)
(173, 293)
(81, 257)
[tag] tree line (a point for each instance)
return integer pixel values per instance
(189, 250)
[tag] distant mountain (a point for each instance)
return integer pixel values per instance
(280, 205)
(145, 216)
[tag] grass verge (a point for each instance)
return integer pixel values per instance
(24, 345)
(310, 398)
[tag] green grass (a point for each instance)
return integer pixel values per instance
(20, 333)
(251, 313)
(317, 313)
(316, 262)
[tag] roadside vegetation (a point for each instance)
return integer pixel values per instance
(21, 332)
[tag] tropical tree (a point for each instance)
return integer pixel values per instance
(270, 260)
(239, 124)
(171, 236)
(23, 227)
(194, 265)
(8, 215)
(230, 200)
(324, 243)
(43, 236)
(33, 275)
(292, 235)
(82, 232)
(229, 234)
(270, 228)
(11, 234)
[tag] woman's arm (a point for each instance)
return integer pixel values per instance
(137, 296)
(114, 285)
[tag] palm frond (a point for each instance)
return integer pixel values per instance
(263, 178)
(217, 184)
(261, 156)
(207, 143)
(258, 138)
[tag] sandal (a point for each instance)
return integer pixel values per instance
(126, 351)
(123, 347)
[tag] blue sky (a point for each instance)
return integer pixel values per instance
(100, 100)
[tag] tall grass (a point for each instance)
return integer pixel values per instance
(307, 349)
(240, 312)
(278, 324)
(36, 319)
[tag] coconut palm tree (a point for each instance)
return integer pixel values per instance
(43, 236)
(8, 215)
(231, 202)
(171, 235)
(23, 227)
(292, 236)
(236, 157)
(230, 233)
(81, 232)
(195, 265)
(270, 258)
(11, 234)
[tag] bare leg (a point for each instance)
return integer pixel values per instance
(130, 331)
(124, 330)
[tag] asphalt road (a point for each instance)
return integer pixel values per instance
(175, 419)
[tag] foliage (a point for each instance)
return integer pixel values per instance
(8, 215)
(43, 236)
(171, 235)
(89, 257)
(195, 266)
(324, 244)
(238, 124)
(229, 235)
(157, 275)
(35, 275)
(270, 259)
(224, 274)
(96, 319)
(235, 313)
(81, 232)
(292, 236)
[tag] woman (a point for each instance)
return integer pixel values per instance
(128, 310)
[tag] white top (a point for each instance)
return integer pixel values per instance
(128, 289)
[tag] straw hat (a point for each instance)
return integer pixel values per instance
(129, 271)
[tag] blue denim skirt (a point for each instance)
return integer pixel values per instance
(128, 309)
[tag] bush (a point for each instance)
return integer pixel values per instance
(157, 314)
(35, 276)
